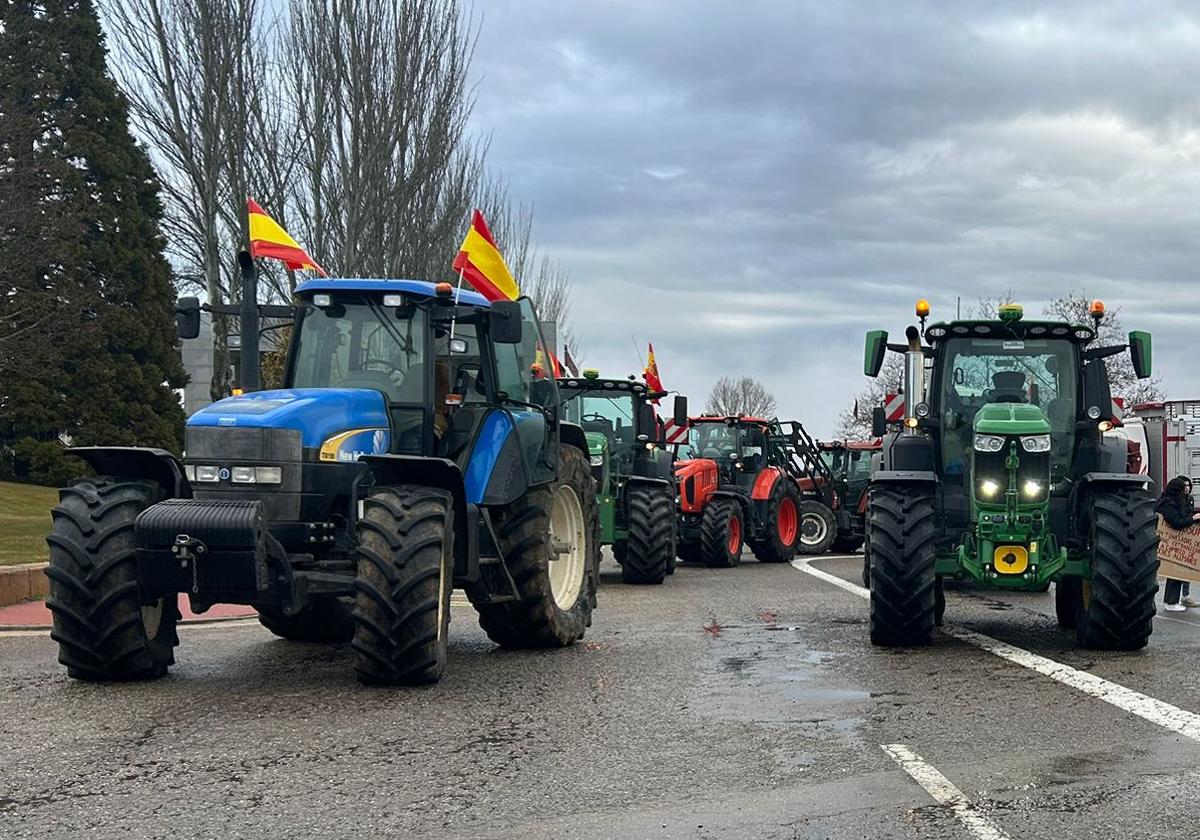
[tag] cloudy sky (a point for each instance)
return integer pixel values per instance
(753, 185)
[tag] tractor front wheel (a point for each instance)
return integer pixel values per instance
(1116, 610)
(103, 630)
(903, 581)
(782, 525)
(818, 528)
(650, 548)
(721, 534)
(550, 538)
(402, 592)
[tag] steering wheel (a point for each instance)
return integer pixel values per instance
(594, 418)
(713, 453)
(391, 366)
(1008, 398)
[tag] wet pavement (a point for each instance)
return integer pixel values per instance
(739, 703)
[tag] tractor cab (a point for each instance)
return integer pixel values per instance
(737, 446)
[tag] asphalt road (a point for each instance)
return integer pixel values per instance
(742, 703)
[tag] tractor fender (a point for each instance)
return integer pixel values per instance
(1101, 478)
(904, 477)
(741, 498)
(764, 483)
(138, 462)
(572, 435)
(391, 470)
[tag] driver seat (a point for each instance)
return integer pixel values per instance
(1007, 386)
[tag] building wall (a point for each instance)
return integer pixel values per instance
(197, 356)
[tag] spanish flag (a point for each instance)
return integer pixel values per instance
(480, 262)
(650, 374)
(268, 239)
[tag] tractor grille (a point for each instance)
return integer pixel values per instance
(229, 447)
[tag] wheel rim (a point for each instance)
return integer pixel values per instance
(735, 536)
(152, 615)
(813, 529)
(788, 522)
(568, 544)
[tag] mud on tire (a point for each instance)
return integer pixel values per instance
(523, 529)
(782, 523)
(402, 591)
(903, 583)
(1116, 608)
(721, 530)
(651, 546)
(102, 628)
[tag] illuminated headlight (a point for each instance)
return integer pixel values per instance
(393, 300)
(189, 471)
(988, 443)
(322, 300)
(597, 460)
(268, 475)
(1032, 488)
(1036, 443)
(988, 487)
(243, 475)
(207, 473)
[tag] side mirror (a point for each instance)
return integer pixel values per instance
(647, 423)
(187, 317)
(504, 322)
(878, 421)
(680, 414)
(874, 351)
(1141, 351)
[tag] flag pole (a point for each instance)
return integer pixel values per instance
(457, 295)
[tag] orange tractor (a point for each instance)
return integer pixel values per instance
(736, 487)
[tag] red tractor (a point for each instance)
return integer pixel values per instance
(735, 488)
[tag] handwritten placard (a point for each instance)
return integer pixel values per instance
(1179, 552)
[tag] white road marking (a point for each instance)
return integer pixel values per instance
(1144, 706)
(944, 791)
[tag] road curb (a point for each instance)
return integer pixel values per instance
(27, 582)
(187, 622)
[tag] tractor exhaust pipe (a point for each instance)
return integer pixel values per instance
(914, 379)
(249, 319)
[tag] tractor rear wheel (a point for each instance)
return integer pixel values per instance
(1116, 610)
(782, 525)
(903, 582)
(818, 527)
(1068, 595)
(324, 620)
(550, 538)
(721, 531)
(650, 548)
(402, 592)
(103, 630)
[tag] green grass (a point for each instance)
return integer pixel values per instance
(24, 522)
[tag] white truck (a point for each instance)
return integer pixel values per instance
(1168, 435)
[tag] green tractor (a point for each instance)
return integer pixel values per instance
(634, 474)
(1001, 475)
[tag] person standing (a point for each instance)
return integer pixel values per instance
(1178, 509)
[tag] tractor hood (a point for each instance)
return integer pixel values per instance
(597, 443)
(1011, 419)
(317, 413)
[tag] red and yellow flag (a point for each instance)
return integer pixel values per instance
(650, 374)
(480, 262)
(268, 239)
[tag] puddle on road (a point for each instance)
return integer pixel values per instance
(762, 673)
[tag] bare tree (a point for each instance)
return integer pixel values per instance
(744, 395)
(855, 422)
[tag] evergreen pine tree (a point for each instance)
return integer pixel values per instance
(102, 367)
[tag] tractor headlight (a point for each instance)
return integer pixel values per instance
(268, 475)
(1032, 488)
(1036, 443)
(988, 443)
(597, 460)
(989, 487)
(207, 473)
(242, 475)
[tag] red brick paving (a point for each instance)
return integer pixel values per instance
(36, 614)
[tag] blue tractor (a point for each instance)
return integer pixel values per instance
(415, 447)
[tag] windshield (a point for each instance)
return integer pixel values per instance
(978, 371)
(608, 414)
(710, 440)
(357, 343)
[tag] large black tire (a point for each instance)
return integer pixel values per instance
(651, 545)
(324, 620)
(847, 544)
(818, 528)
(782, 524)
(1068, 598)
(103, 630)
(1117, 609)
(523, 528)
(721, 530)
(903, 582)
(402, 591)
